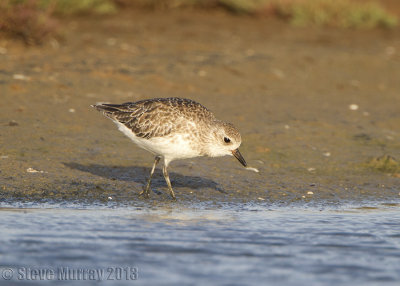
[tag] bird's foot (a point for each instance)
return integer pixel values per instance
(172, 195)
(145, 193)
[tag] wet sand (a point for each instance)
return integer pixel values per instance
(288, 90)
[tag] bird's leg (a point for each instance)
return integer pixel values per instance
(146, 191)
(166, 176)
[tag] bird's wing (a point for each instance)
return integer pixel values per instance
(156, 117)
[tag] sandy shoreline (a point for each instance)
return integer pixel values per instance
(288, 90)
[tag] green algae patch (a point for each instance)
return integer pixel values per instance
(385, 163)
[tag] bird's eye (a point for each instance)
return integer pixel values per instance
(227, 140)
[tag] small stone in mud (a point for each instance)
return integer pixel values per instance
(21, 77)
(252, 169)
(13, 123)
(31, 170)
(353, 107)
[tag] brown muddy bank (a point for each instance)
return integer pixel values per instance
(313, 106)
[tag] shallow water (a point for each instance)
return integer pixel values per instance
(233, 244)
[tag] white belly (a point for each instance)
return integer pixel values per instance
(170, 147)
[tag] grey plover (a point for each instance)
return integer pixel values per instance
(173, 128)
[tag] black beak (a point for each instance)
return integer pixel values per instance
(239, 156)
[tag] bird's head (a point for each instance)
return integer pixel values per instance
(226, 140)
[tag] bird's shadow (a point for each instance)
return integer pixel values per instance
(140, 175)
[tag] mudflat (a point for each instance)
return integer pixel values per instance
(318, 109)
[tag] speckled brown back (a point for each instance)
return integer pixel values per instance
(157, 117)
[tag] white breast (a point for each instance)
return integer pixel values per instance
(171, 147)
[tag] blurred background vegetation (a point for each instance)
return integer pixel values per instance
(34, 21)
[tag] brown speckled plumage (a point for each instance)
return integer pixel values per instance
(173, 128)
(170, 114)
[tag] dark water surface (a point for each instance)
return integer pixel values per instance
(251, 244)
